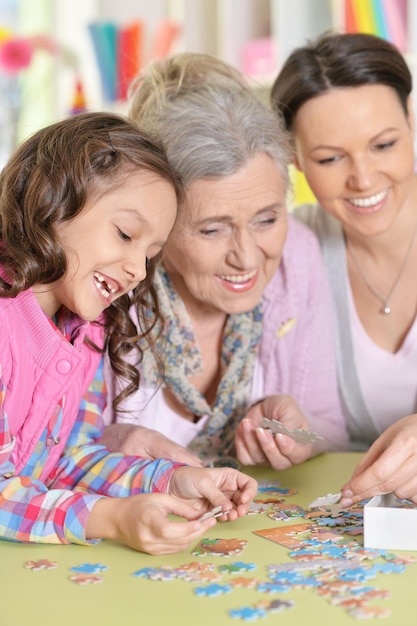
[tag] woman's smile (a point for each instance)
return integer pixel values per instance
(371, 204)
(239, 282)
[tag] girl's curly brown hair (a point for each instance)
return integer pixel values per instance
(48, 181)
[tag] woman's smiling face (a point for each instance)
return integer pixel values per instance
(355, 147)
(228, 239)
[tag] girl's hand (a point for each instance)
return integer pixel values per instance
(212, 487)
(390, 465)
(145, 442)
(257, 446)
(141, 522)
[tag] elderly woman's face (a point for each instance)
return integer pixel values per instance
(228, 238)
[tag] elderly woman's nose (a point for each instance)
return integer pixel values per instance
(243, 249)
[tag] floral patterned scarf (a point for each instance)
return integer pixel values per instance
(181, 359)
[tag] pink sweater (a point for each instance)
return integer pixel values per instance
(301, 362)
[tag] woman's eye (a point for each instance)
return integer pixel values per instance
(207, 232)
(123, 235)
(269, 220)
(327, 160)
(385, 145)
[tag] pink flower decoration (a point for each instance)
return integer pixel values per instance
(15, 54)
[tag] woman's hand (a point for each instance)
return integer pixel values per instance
(390, 465)
(145, 442)
(257, 446)
(141, 522)
(212, 487)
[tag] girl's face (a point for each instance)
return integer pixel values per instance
(355, 147)
(228, 239)
(108, 243)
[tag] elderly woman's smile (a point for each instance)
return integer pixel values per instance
(228, 239)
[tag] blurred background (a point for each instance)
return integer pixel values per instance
(62, 57)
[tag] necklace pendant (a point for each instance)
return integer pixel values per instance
(386, 310)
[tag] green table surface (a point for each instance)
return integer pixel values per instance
(48, 597)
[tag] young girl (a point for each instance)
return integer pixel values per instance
(85, 206)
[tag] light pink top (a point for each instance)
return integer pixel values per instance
(377, 368)
(147, 407)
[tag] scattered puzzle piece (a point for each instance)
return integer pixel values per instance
(144, 572)
(248, 613)
(237, 567)
(276, 605)
(369, 612)
(274, 486)
(89, 568)
(287, 536)
(299, 435)
(261, 609)
(216, 512)
(257, 507)
(37, 566)
(220, 547)
(329, 499)
(86, 579)
(244, 583)
(273, 587)
(212, 590)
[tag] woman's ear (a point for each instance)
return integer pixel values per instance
(297, 163)
(410, 114)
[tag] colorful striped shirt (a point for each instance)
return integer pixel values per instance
(55, 510)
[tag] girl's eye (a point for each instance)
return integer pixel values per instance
(123, 235)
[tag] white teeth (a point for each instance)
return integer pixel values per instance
(235, 278)
(365, 203)
(102, 286)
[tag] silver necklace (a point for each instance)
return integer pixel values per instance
(386, 309)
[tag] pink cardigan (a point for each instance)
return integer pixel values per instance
(39, 367)
(297, 350)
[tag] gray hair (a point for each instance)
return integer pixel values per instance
(207, 116)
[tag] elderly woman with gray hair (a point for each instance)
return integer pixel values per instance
(248, 323)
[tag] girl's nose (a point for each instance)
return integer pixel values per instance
(135, 267)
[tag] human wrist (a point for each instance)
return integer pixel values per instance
(257, 403)
(102, 522)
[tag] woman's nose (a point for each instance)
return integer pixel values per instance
(361, 174)
(242, 251)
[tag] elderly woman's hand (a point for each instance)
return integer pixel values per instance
(257, 446)
(140, 441)
(390, 465)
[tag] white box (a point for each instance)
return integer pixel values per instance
(387, 526)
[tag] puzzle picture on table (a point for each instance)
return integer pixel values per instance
(325, 557)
